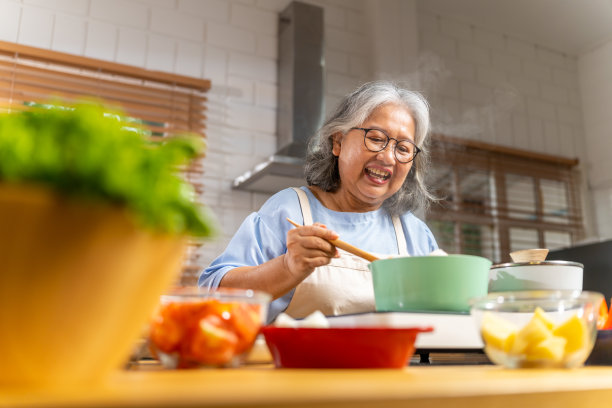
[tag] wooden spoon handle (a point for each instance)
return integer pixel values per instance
(345, 246)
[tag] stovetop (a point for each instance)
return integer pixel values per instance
(451, 332)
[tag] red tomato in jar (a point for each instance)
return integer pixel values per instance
(246, 321)
(166, 330)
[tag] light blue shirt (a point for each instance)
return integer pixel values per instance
(263, 236)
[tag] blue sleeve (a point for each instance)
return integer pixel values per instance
(262, 236)
(419, 238)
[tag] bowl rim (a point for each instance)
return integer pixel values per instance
(536, 263)
(194, 293)
(448, 256)
(499, 298)
(355, 329)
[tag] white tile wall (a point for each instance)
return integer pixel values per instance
(335, 16)
(489, 39)
(505, 62)
(473, 54)
(69, 34)
(520, 48)
(457, 30)
(215, 64)
(554, 93)
(9, 20)
(120, 12)
(355, 20)
(336, 61)
(177, 24)
(537, 71)
(229, 37)
(267, 46)
(254, 67)
(254, 20)
(243, 90)
(266, 95)
(189, 57)
(340, 40)
(132, 47)
(101, 40)
(551, 58)
(252, 117)
(211, 10)
(68, 6)
(169, 4)
(36, 27)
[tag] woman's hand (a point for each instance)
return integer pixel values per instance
(307, 248)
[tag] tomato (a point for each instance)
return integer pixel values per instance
(166, 331)
(213, 342)
(246, 320)
(603, 314)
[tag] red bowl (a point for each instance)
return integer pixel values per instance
(359, 347)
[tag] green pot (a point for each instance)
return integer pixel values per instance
(429, 283)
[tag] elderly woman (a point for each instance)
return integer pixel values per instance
(365, 171)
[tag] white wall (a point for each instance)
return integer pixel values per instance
(595, 68)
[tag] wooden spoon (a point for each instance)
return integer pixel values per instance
(346, 246)
(529, 255)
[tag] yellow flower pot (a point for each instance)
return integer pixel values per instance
(78, 281)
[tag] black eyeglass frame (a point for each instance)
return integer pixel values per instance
(417, 150)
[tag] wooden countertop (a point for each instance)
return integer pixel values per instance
(264, 386)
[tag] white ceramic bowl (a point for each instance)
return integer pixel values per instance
(536, 275)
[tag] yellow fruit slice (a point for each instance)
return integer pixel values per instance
(551, 349)
(498, 332)
(541, 314)
(574, 331)
(531, 334)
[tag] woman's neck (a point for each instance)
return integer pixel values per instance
(340, 201)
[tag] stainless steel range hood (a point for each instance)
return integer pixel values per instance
(300, 99)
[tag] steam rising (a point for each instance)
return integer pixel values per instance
(451, 114)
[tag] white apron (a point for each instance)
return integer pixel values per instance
(343, 286)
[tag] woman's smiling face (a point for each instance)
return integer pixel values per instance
(369, 178)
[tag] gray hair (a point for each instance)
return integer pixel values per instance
(321, 168)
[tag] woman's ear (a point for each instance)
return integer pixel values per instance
(336, 143)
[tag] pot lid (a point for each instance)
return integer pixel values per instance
(535, 263)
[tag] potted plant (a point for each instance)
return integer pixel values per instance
(94, 220)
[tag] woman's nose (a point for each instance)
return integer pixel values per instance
(388, 154)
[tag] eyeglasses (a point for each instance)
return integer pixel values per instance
(376, 140)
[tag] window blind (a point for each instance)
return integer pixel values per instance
(497, 199)
(164, 104)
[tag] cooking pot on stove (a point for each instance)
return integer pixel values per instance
(536, 275)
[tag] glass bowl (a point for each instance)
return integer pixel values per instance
(197, 327)
(553, 329)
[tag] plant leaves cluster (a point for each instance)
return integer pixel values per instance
(87, 151)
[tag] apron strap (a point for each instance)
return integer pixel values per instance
(304, 205)
(399, 235)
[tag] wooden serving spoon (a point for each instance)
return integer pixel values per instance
(346, 246)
